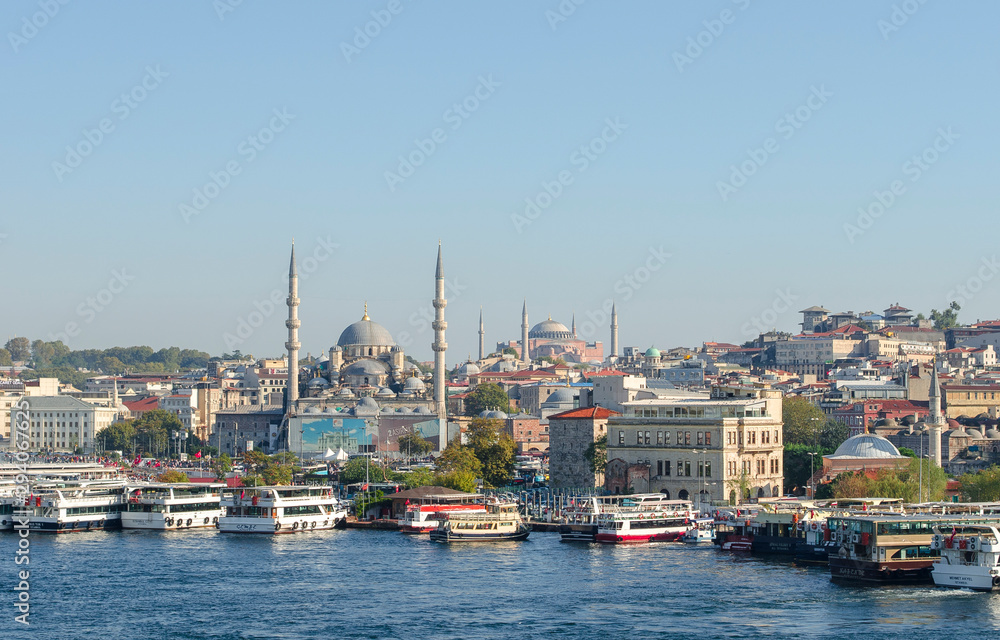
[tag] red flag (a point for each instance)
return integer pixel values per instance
(197, 455)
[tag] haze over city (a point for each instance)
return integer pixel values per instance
(713, 168)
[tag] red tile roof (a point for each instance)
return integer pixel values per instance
(597, 413)
(140, 406)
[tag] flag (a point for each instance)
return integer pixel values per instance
(198, 455)
(243, 493)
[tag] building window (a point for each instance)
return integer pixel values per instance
(659, 437)
(680, 438)
(687, 468)
(687, 438)
(708, 438)
(708, 469)
(621, 437)
(666, 437)
(638, 437)
(701, 469)
(647, 437)
(701, 438)
(659, 467)
(666, 467)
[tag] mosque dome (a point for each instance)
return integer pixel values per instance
(975, 434)
(560, 396)
(414, 384)
(422, 410)
(345, 393)
(652, 352)
(866, 445)
(318, 383)
(366, 367)
(992, 434)
(493, 414)
(385, 392)
(468, 369)
(366, 332)
(550, 330)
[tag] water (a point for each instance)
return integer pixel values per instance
(373, 584)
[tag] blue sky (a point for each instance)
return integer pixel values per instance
(806, 111)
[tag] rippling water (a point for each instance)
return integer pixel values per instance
(361, 584)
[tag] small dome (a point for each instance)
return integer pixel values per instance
(468, 369)
(496, 415)
(975, 434)
(323, 358)
(313, 410)
(345, 393)
(414, 384)
(866, 445)
(992, 434)
(385, 392)
(652, 352)
(422, 410)
(329, 410)
(953, 423)
(403, 410)
(317, 383)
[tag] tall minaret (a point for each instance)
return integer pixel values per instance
(614, 333)
(293, 324)
(439, 347)
(936, 419)
(524, 333)
(574, 325)
(482, 336)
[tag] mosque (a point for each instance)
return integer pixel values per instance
(552, 338)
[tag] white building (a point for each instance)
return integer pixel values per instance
(612, 391)
(63, 423)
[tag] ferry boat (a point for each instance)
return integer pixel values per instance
(282, 509)
(890, 549)
(87, 506)
(645, 520)
(732, 527)
(970, 557)
(501, 522)
(702, 531)
(165, 506)
(581, 515)
(424, 518)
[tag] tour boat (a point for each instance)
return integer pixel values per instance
(424, 518)
(582, 512)
(87, 506)
(890, 549)
(645, 521)
(501, 522)
(168, 506)
(702, 531)
(970, 557)
(284, 509)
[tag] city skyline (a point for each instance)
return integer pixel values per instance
(729, 151)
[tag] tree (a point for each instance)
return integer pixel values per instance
(946, 319)
(551, 360)
(19, 348)
(117, 437)
(173, 475)
(494, 449)
(798, 466)
(42, 354)
(414, 444)
(419, 478)
(802, 421)
(906, 481)
(486, 397)
(112, 366)
(832, 435)
(278, 474)
(5, 359)
(458, 480)
(360, 469)
(153, 430)
(511, 351)
(222, 466)
(597, 455)
(981, 486)
(458, 457)
(739, 485)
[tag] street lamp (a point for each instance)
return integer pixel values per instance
(812, 473)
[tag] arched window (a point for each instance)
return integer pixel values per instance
(666, 494)
(370, 351)
(366, 379)
(760, 492)
(682, 494)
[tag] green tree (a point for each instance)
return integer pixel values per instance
(510, 351)
(413, 444)
(981, 486)
(5, 359)
(42, 354)
(173, 475)
(458, 480)
(802, 421)
(19, 349)
(946, 319)
(906, 481)
(458, 457)
(222, 466)
(116, 437)
(832, 435)
(111, 365)
(597, 455)
(419, 478)
(740, 487)
(356, 468)
(278, 474)
(494, 448)
(910, 453)
(798, 466)
(486, 397)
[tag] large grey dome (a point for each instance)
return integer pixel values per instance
(366, 333)
(560, 396)
(414, 384)
(468, 369)
(867, 445)
(551, 330)
(366, 367)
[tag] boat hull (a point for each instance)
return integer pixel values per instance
(578, 533)
(451, 536)
(737, 542)
(646, 537)
(774, 545)
(273, 526)
(171, 522)
(48, 525)
(906, 572)
(972, 577)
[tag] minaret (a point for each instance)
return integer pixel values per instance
(614, 334)
(936, 419)
(524, 333)
(482, 336)
(293, 324)
(439, 347)
(574, 325)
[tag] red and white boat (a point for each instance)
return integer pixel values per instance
(424, 518)
(645, 519)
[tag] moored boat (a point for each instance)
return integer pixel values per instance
(424, 518)
(501, 522)
(165, 506)
(281, 509)
(642, 521)
(702, 531)
(87, 506)
(970, 557)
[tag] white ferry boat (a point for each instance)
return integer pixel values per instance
(286, 509)
(970, 557)
(167, 506)
(501, 522)
(702, 530)
(424, 518)
(87, 506)
(581, 515)
(646, 520)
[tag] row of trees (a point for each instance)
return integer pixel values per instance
(912, 482)
(149, 435)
